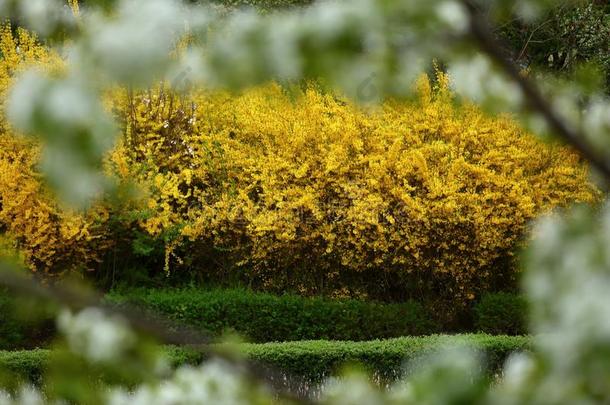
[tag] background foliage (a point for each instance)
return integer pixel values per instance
(568, 35)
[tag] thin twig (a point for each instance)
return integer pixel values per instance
(529, 39)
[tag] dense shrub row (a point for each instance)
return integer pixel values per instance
(264, 4)
(311, 361)
(295, 190)
(385, 359)
(261, 317)
(265, 318)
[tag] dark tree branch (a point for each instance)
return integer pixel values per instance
(484, 37)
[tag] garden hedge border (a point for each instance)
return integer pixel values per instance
(312, 361)
(260, 317)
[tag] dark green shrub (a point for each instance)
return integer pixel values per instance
(11, 331)
(261, 317)
(25, 323)
(501, 313)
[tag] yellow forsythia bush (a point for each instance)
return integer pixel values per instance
(295, 189)
(50, 239)
(298, 189)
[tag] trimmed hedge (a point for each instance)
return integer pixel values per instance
(260, 4)
(26, 364)
(261, 317)
(501, 313)
(384, 359)
(309, 362)
(265, 4)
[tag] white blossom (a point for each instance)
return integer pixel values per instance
(95, 335)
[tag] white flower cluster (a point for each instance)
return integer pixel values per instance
(95, 335)
(475, 79)
(43, 15)
(67, 114)
(215, 382)
(26, 396)
(132, 46)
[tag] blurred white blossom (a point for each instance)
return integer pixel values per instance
(476, 80)
(132, 46)
(453, 14)
(27, 395)
(43, 16)
(95, 335)
(215, 382)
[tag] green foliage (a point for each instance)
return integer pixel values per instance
(261, 4)
(569, 34)
(25, 322)
(11, 331)
(501, 313)
(263, 317)
(384, 359)
(313, 361)
(28, 365)
(264, 4)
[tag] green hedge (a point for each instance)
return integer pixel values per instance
(501, 313)
(264, 4)
(29, 365)
(308, 362)
(268, 4)
(384, 359)
(260, 317)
